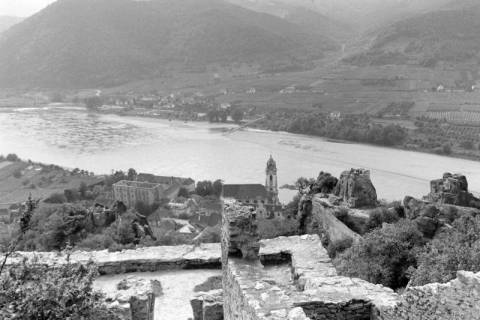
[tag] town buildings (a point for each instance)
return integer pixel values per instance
(149, 189)
(263, 197)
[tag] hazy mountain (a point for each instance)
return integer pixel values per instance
(86, 43)
(359, 14)
(449, 35)
(8, 21)
(302, 14)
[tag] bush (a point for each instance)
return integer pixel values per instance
(183, 193)
(273, 228)
(12, 157)
(56, 198)
(71, 195)
(96, 242)
(379, 216)
(384, 256)
(467, 144)
(338, 246)
(454, 249)
(37, 292)
(17, 173)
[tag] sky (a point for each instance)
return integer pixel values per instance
(22, 8)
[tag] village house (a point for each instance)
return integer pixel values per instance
(149, 189)
(264, 198)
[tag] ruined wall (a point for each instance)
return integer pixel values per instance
(205, 256)
(455, 300)
(351, 310)
(322, 214)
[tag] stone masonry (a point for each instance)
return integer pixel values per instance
(316, 292)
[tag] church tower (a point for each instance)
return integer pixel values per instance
(271, 183)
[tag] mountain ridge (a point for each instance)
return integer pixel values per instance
(87, 43)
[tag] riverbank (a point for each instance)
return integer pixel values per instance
(399, 137)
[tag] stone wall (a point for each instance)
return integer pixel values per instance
(315, 291)
(455, 300)
(204, 256)
(321, 218)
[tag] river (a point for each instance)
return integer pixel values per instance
(101, 143)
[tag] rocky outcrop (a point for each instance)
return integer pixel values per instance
(430, 217)
(452, 189)
(134, 298)
(356, 189)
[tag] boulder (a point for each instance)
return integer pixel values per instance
(356, 189)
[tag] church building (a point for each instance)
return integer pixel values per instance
(263, 197)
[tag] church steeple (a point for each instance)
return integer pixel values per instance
(271, 183)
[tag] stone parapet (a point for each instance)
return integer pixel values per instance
(204, 256)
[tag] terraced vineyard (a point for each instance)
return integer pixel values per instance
(460, 117)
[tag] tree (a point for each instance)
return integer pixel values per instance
(183, 193)
(132, 174)
(204, 188)
(237, 115)
(217, 188)
(72, 195)
(93, 103)
(12, 157)
(82, 190)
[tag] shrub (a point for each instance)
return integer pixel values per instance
(384, 256)
(71, 195)
(12, 157)
(56, 198)
(454, 249)
(17, 173)
(37, 292)
(338, 246)
(96, 242)
(379, 216)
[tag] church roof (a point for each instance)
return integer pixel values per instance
(244, 191)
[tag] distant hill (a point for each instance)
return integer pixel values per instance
(87, 43)
(449, 35)
(8, 21)
(301, 14)
(361, 15)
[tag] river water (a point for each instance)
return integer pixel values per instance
(100, 143)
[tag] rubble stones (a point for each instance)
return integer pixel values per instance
(356, 189)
